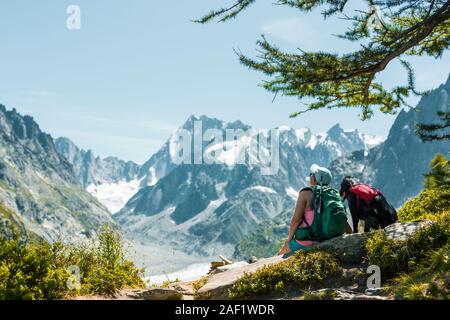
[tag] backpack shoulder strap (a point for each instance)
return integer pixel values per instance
(313, 202)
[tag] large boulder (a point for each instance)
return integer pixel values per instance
(349, 249)
(218, 285)
(404, 230)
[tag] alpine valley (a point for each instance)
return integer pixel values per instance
(176, 214)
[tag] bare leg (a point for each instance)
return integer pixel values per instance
(284, 250)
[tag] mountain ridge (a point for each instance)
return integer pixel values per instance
(396, 167)
(207, 208)
(389, 166)
(38, 187)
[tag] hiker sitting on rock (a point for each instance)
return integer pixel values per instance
(368, 204)
(319, 214)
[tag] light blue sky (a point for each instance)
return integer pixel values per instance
(137, 69)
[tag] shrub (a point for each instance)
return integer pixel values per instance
(429, 204)
(33, 271)
(103, 266)
(166, 283)
(301, 270)
(400, 256)
(39, 270)
(439, 174)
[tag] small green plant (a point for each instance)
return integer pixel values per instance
(429, 204)
(439, 175)
(198, 284)
(301, 271)
(327, 294)
(39, 270)
(33, 271)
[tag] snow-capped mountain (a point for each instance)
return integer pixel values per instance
(165, 160)
(202, 205)
(39, 191)
(208, 208)
(112, 181)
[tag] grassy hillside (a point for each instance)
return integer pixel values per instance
(11, 225)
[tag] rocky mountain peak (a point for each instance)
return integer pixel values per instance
(397, 166)
(237, 125)
(28, 139)
(207, 123)
(213, 123)
(91, 169)
(447, 83)
(39, 185)
(335, 130)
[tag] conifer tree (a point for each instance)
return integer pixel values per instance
(435, 131)
(440, 172)
(388, 30)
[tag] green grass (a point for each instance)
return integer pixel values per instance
(166, 283)
(301, 271)
(39, 270)
(430, 280)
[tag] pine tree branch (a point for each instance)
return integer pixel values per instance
(408, 27)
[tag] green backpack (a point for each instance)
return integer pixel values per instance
(330, 218)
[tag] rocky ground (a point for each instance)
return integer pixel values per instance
(350, 285)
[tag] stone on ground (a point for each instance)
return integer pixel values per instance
(349, 249)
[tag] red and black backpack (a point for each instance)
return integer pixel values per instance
(365, 192)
